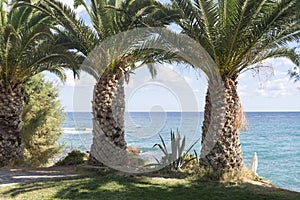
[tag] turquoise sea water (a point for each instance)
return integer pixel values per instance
(275, 136)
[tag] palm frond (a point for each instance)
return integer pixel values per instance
(236, 33)
(29, 46)
(66, 17)
(3, 13)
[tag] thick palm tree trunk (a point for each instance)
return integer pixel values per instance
(109, 143)
(221, 148)
(11, 108)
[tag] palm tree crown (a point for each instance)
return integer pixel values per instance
(240, 33)
(107, 18)
(29, 46)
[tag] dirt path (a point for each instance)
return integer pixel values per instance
(16, 176)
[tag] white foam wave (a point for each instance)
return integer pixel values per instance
(77, 130)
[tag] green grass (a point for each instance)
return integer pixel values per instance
(115, 186)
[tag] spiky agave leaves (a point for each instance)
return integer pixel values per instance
(177, 157)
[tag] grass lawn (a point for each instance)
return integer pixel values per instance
(114, 186)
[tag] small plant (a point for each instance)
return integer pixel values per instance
(191, 160)
(177, 158)
(75, 157)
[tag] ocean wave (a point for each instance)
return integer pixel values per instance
(77, 130)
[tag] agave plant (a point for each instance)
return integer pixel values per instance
(177, 158)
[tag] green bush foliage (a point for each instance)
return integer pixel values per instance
(42, 120)
(74, 157)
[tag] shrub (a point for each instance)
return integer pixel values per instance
(42, 119)
(74, 157)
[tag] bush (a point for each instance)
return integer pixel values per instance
(42, 120)
(75, 157)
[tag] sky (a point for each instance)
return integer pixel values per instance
(181, 88)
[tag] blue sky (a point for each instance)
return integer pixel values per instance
(270, 90)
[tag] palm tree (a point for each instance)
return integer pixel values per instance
(108, 18)
(28, 47)
(237, 35)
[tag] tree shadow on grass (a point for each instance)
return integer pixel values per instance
(118, 187)
(28, 187)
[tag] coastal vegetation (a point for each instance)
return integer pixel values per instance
(179, 156)
(74, 157)
(42, 122)
(28, 46)
(238, 35)
(47, 35)
(108, 18)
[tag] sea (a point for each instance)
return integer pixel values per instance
(274, 136)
